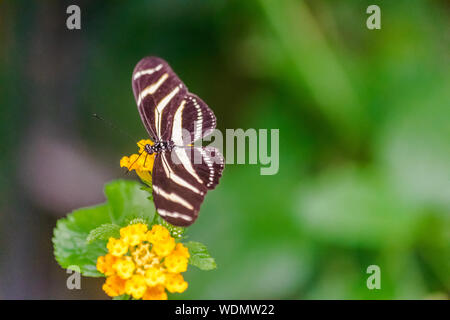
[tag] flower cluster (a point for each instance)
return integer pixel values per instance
(141, 162)
(143, 263)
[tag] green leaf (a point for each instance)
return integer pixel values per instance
(200, 256)
(128, 201)
(69, 239)
(149, 189)
(122, 297)
(81, 238)
(104, 232)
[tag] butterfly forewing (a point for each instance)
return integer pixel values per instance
(157, 91)
(161, 95)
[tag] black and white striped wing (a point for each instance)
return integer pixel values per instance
(208, 163)
(157, 91)
(196, 119)
(163, 99)
(177, 192)
(181, 179)
(169, 112)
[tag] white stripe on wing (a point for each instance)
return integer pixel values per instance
(177, 138)
(151, 89)
(178, 180)
(160, 107)
(172, 197)
(165, 213)
(141, 73)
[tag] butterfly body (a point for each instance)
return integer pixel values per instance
(175, 119)
(159, 146)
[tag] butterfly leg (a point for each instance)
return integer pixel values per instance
(131, 166)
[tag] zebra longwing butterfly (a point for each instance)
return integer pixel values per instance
(175, 119)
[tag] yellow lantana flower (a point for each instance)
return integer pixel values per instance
(176, 263)
(158, 234)
(155, 276)
(124, 267)
(134, 234)
(175, 283)
(114, 286)
(136, 286)
(117, 247)
(144, 263)
(155, 293)
(141, 162)
(105, 264)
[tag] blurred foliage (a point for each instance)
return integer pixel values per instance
(364, 123)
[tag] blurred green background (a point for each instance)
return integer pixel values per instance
(364, 120)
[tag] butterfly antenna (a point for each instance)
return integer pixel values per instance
(112, 125)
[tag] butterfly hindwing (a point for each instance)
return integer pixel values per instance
(181, 179)
(177, 193)
(208, 163)
(197, 119)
